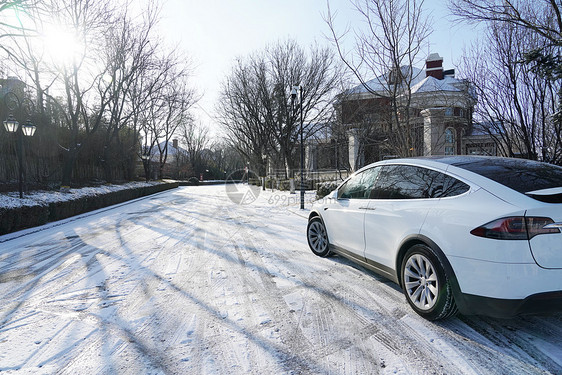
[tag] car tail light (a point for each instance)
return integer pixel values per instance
(515, 228)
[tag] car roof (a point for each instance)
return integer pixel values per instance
(498, 173)
(473, 163)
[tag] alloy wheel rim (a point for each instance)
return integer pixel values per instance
(317, 237)
(420, 281)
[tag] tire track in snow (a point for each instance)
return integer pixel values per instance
(323, 308)
(238, 306)
(68, 272)
(209, 287)
(428, 348)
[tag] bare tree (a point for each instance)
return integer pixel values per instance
(320, 76)
(14, 13)
(255, 105)
(23, 45)
(541, 17)
(196, 139)
(516, 104)
(143, 94)
(394, 35)
(82, 107)
(128, 55)
(240, 110)
(119, 86)
(519, 74)
(170, 107)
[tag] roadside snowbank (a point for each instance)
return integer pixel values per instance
(41, 207)
(43, 197)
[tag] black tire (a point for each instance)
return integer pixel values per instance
(426, 285)
(318, 237)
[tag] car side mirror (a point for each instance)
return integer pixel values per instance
(333, 195)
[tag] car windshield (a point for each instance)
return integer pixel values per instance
(518, 174)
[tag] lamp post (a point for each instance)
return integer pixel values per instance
(14, 104)
(293, 97)
(145, 157)
(264, 160)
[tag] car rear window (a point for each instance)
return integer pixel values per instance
(518, 174)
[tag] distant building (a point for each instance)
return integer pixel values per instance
(12, 84)
(8, 104)
(177, 161)
(483, 139)
(441, 109)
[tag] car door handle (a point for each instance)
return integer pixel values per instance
(368, 208)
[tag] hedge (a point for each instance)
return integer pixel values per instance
(326, 188)
(14, 219)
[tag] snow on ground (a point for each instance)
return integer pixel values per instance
(41, 198)
(207, 280)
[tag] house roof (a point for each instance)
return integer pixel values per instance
(432, 84)
(381, 83)
(419, 83)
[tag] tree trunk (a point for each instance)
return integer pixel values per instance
(146, 165)
(67, 167)
(107, 164)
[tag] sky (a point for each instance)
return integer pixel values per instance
(215, 32)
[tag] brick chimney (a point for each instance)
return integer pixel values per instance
(434, 66)
(175, 143)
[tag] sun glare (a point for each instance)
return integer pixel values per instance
(62, 45)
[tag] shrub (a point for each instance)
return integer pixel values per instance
(255, 181)
(193, 181)
(326, 188)
(284, 185)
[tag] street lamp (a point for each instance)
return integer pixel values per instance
(11, 124)
(145, 157)
(264, 161)
(293, 97)
(14, 104)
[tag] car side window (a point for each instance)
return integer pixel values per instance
(403, 182)
(410, 182)
(453, 187)
(360, 185)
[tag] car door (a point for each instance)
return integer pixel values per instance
(344, 216)
(401, 199)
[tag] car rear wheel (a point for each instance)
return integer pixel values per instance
(317, 237)
(426, 285)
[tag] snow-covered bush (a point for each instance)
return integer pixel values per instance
(325, 188)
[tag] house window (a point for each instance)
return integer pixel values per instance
(450, 141)
(449, 111)
(450, 135)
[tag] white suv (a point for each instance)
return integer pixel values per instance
(479, 235)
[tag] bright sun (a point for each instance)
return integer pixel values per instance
(62, 45)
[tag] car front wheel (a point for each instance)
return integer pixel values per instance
(426, 285)
(318, 237)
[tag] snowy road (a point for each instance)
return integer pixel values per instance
(188, 282)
